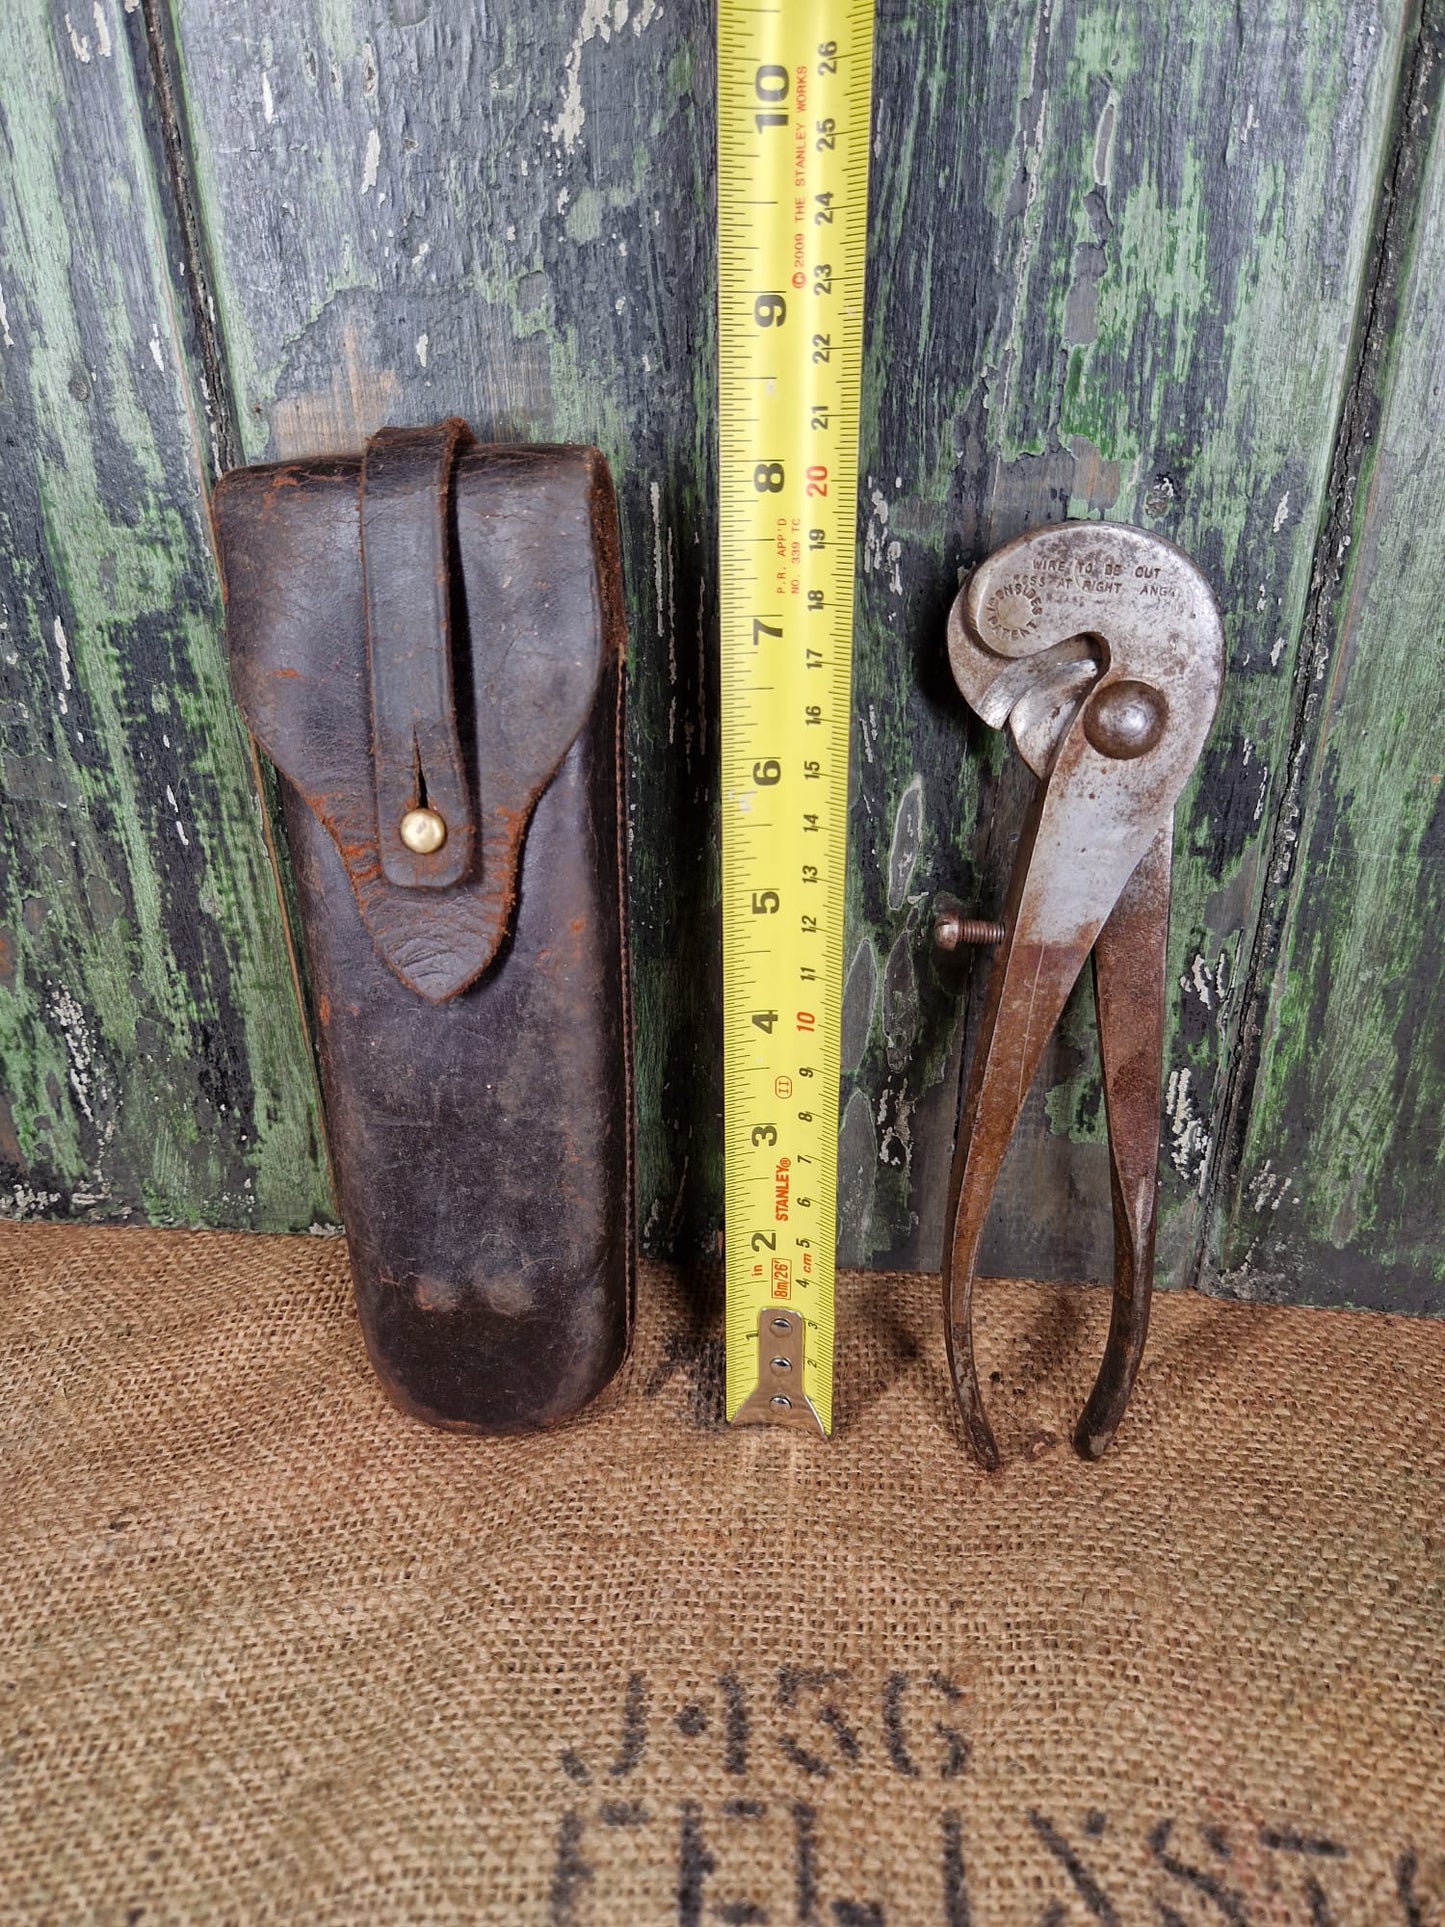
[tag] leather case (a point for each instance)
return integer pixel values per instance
(437, 626)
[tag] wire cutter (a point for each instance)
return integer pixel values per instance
(1101, 648)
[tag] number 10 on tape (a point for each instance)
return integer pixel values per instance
(794, 85)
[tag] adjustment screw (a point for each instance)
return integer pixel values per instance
(951, 931)
(422, 831)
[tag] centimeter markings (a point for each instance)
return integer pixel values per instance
(794, 87)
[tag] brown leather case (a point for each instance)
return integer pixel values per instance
(438, 625)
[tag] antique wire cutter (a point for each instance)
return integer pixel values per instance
(1101, 648)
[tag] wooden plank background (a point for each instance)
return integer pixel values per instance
(415, 210)
(1343, 1085)
(153, 1057)
(1118, 258)
(1125, 262)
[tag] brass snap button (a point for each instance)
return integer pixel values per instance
(423, 831)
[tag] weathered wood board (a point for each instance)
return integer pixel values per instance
(414, 210)
(1086, 299)
(1124, 263)
(151, 1057)
(1117, 256)
(1342, 1178)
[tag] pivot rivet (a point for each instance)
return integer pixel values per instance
(1125, 719)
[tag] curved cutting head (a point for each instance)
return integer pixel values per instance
(1061, 609)
(1101, 648)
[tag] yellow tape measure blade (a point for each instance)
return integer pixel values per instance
(794, 86)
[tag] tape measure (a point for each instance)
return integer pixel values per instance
(794, 85)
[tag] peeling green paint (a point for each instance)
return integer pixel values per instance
(1343, 1165)
(1117, 263)
(1115, 328)
(152, 1057)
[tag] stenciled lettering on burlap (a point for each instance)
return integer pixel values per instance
(748, 1859)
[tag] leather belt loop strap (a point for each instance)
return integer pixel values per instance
(415, 744)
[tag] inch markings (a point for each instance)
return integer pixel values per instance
(793, 143)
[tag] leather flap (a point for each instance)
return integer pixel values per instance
(534, 551)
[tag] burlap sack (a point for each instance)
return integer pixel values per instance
(271, 1652)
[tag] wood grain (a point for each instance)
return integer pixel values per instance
(151, 1057)
(1109, 277)
(1341, 1177)
(1124, 263)
(1117, 259)
(503, 212)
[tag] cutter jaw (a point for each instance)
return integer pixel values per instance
(1101, 649)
